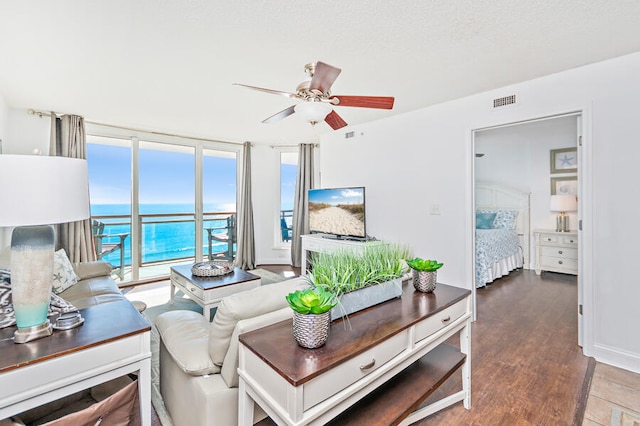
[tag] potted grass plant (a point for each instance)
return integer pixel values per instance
(362, 278)
(425, 273)
(311, 315)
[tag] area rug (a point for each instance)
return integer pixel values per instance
(621, 417)
(180, 303)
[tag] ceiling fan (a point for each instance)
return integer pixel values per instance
(318, 102)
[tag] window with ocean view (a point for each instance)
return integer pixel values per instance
(109, 162)
(288, 171)
(151, 205)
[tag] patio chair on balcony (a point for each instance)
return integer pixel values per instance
(286, 231)
(228, 236)
(103, 248)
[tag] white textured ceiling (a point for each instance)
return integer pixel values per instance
(169, 65)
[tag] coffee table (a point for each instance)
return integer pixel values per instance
(208, 291)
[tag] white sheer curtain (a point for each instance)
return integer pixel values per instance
(246, 249)
(304, 182)
(68, 139)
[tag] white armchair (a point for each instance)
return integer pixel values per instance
(199, 360)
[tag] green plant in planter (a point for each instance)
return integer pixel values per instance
(343, 271)
(424, 265)
(314, 300)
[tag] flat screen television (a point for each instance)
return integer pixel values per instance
(338, 212)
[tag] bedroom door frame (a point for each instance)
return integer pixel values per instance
(584, 278)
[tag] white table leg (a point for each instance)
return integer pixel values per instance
(465, 348)
(172, 288)
(245, 406)
(144, 391)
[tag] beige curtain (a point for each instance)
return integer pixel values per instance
(246, 249)
(68, 139)
(304, 182)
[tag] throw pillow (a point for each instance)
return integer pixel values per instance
(57, 304)
(505, 219)
(63, 274)
(484, 220)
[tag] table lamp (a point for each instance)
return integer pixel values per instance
(37, 192)
(563, 204)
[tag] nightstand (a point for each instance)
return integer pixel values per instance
(556, 251)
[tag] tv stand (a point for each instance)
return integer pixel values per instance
(324, 243)
(345, 238)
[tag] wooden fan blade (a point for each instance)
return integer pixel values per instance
(273, 92)
(381, 102)
(335, 121)
(323, 77)
(279, 116)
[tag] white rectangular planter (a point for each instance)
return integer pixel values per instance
(364, 298)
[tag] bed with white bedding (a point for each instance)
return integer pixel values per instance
(502, 231)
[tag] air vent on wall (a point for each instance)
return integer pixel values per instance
(507, 100)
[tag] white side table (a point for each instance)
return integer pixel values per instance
(556, 251)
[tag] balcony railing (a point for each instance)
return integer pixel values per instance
(170, 237)
(167, 237)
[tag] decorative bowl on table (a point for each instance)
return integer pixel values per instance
(212, 268)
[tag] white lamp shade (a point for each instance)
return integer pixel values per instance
(564, 203)
(37, 190)
(313, 112)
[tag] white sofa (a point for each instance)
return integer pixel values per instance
(199, 360)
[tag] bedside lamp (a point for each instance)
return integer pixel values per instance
(37, 192)
(563, 204)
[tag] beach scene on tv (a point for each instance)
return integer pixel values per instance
(337, 211)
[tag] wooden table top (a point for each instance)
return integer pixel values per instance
(207, 283)
(103, 323)
(276, 345)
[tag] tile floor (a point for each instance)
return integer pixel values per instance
(614, 398)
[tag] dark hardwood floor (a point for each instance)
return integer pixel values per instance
(527, 368)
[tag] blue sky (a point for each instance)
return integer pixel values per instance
(338, 196)
(168, 178)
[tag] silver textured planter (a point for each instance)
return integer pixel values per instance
(311, 330)
(424, 281)
(366, 297)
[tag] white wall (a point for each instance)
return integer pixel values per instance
(412, 161)
(4, 120)
(27, 133)
(519, 156)
(5, 236)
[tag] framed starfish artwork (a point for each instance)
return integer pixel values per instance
(564, 160)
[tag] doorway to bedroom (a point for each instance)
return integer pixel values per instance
(521, 171)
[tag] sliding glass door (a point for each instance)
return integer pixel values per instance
(166, 206)
(167, 203)
(219, 171)
(109, 161)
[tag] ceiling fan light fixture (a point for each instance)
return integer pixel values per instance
(313, 112)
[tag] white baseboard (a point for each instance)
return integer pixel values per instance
(617, 358)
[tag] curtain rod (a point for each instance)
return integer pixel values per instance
(41, 114)
(316, 145)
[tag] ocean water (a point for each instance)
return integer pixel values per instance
(173, 239)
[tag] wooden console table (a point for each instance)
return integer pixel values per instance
(318, 243)
(113, 341)
(297, 386)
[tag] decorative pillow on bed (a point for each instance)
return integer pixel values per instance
(505, 219)
(484, 220)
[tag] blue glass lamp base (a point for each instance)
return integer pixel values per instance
(24, 335)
